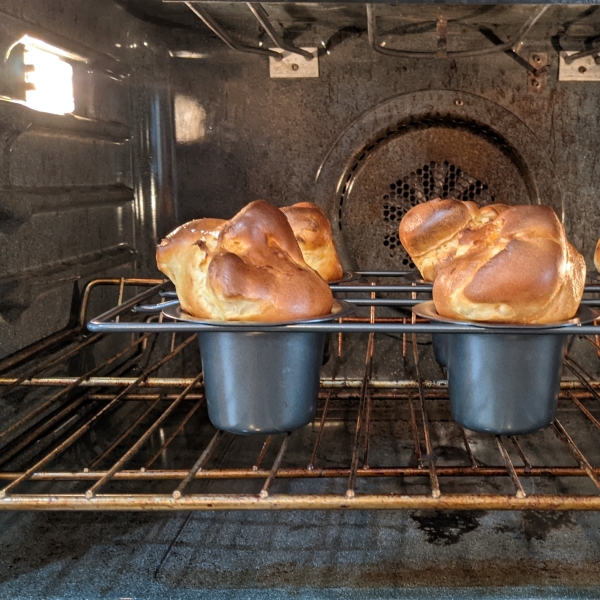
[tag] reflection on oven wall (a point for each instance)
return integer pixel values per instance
(86, 194)
(180, 126)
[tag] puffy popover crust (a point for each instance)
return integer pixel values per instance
(313, 234)
(249, 268)
(519, 268)
(429, 231)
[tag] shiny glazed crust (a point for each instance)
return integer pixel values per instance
(312, 230)
(519, 268)
(249, 268)
(430, 231)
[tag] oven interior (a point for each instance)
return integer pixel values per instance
(170, 124)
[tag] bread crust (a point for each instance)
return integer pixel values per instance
(312, 230)
(249, 268)
(430, 231)
(520, 268)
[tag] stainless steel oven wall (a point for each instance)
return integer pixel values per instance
(483, 117)
(81, 196)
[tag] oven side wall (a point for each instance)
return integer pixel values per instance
(81, 196)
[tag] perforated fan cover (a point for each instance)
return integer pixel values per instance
(410, 166)
(430, 181)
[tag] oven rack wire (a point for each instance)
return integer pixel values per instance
(127, 435)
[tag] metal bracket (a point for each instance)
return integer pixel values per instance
(579, 66)
(263, 18)
(538, 77)
(295, 66)
(571, 57)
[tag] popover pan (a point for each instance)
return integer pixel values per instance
(261, 382)
(504, 383)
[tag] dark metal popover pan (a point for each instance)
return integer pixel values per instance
(504, 383)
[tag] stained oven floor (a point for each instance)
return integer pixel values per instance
(300, 554)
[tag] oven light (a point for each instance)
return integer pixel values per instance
(48, 77)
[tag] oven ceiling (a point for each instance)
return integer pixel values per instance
(160, 13)
(406, 25)
(175, 14)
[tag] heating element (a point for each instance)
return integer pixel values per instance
(131, 432)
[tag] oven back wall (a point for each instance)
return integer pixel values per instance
(266, 138)
(81, 195)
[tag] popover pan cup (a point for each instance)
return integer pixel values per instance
(504, 383)
(439, 343)
(259, 382)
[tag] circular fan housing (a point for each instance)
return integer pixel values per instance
(417, 164)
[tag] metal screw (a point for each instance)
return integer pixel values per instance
(459, 102)
(537, 59)
(535, 83)
(582, 69)
(295, 67)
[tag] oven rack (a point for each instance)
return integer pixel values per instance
(111, 321)
(125, 435)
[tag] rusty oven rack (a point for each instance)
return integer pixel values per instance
(125, 434)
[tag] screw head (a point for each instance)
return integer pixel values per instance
(582, 69)
(459, 102)
(535, 83)
(295, 67)
(537, 59)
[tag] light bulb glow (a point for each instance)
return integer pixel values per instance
(51, 79)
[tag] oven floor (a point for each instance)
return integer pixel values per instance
(282, 555)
